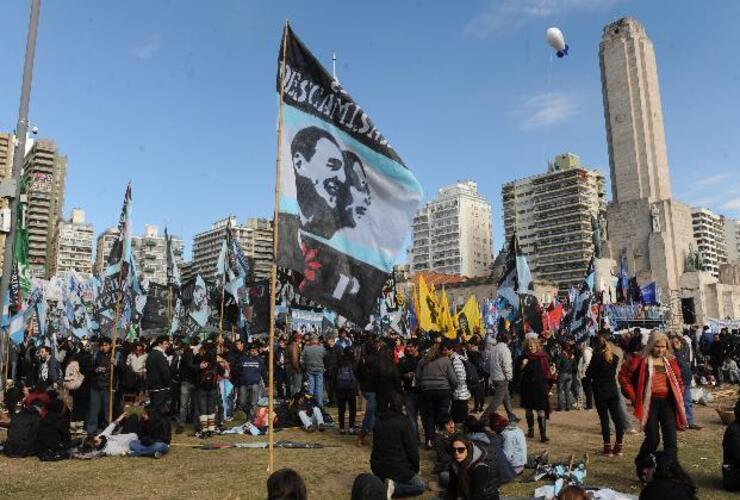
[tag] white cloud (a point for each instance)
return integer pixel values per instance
(733, 204)
(507, 15)
(148, 48)
(545, 110)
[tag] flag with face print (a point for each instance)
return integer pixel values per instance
(346, 197)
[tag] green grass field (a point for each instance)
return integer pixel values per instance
(241, 473)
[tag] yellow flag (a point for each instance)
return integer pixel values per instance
(428, 308)
(468, 319)
(445, 318)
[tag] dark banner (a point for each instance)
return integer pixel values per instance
(155, 310)
(346, 198)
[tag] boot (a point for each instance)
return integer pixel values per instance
(203, 424)
(530, 426)
(212, 423)
(608, 450)
(618, 449)
(541, 423)
(362, 439)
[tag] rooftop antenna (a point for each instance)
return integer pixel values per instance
(334, 66)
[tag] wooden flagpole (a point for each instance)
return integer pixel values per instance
(223, 291)
(113, 349)
(273, 279)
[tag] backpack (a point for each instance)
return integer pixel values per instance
(346, 380)
(471, 374)
(22, 433)
(73, 377)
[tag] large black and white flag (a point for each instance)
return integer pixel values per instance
(346, 197)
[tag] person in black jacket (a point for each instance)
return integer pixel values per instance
(187, 371)
(158, 375)
(100, 376)
(731, 454)
(469, 473)
(602, 372)
(22, 432)
(154, 433)
(395, 455)
(666, 479)
(407, 367)
(52, 436)
(367, 374)
(680, 350)
(331, 358)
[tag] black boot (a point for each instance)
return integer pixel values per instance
(542, 424)
(530, 426)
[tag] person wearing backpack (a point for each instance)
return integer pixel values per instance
(207, 387)
(345, 389)
(77, 383)
(478, 390)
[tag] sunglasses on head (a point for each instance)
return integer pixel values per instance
(459, 450)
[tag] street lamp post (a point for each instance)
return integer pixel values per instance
(18, 158)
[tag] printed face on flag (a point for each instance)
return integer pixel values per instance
(346, 198)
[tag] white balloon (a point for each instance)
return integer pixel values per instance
(556, 39)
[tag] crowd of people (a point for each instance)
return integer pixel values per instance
(425, 391)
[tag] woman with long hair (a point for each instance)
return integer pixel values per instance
(652, 381)
(602, 371)
(437, 379)
(469, 472)
(536, 381)
(345, 388)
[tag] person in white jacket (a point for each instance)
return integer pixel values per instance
(109, 444)
(461, 394)
(502, 373)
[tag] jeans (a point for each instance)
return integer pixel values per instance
(316, 417)
(565, 385)
(207, 401)
(436, 410)
(412, 410)
(295, 382)
(345, 399)
(140, 450)
(610, 407)
(500, 395)
(316, 386)
(661, 419)
(248, 397)
(371, 405)
(687, 404)
(281, 382)
(98, 402)
(414, 487)
(187, 402)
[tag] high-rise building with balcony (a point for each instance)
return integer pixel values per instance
(44, 172)
(732, 238)
(552, 216)
(255, 240)
(72, 248)
(104, 245)
(150, 253)
(709, 233)
(452, 233)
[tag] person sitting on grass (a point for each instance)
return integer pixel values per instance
(514, 444)
(666, 478)
(442, 451)
(52, 437)
(395, 455)
(307, 412)
(469, 473)
(731, 454)
(286, 484)
(154, 435)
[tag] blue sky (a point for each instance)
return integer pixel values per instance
(178, 96)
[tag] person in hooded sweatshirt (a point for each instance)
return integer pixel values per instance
(395, 455)
(154, 435)
(469, 473)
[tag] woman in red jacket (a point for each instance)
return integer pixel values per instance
(652, 381)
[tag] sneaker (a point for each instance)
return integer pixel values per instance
(695, 427)
(390, 487)
(429, 445)
(157, 454)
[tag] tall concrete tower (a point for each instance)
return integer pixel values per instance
(646, 226)
(634, 116)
